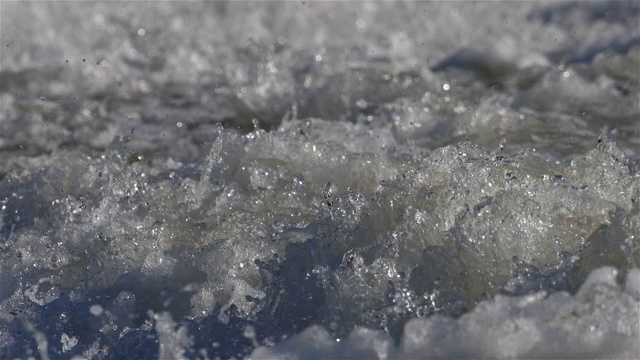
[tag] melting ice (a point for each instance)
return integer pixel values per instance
(319, 180)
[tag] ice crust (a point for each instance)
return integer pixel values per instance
(226, 179)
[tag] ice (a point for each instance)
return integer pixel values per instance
(632, 285)
(316, 343)
(68, 342)
(601, 321)
(378, 180)
(173, 340)
(96, 310)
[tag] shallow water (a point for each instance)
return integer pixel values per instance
(210, 179)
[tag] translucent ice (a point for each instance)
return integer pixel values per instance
(210, 179)
(602, 321)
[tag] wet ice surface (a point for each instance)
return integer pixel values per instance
(200, 180)
(534, 326)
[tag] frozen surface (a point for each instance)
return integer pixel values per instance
(225, 179)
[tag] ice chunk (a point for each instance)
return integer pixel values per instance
(158, 264)
(604, 276)
(43, 292)
(316, 343)
(632, 284)
(68, 342)
(96, 310)
(173, 340)
(602, 321)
